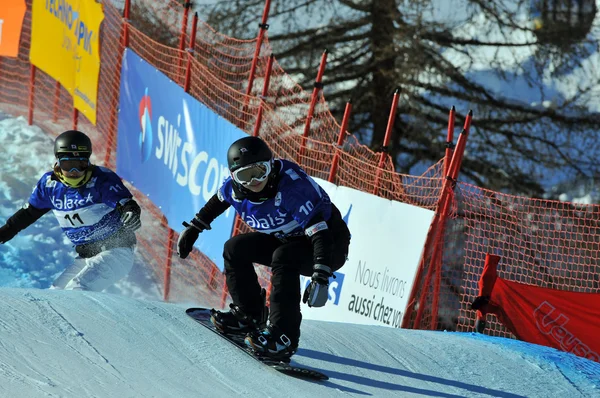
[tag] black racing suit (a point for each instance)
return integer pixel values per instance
(287, 259)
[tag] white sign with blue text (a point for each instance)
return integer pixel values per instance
(372, 288)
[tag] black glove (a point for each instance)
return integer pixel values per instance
(479, 302)
(188, 237)
(317, 292)
(130, 215)
(6, 233)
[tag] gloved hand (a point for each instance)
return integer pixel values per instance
(317, 291)
(130, 215)
(188, 237)
(6, 233)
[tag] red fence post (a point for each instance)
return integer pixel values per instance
(31, 93)
(449, 139)
(112, 134)
(340, 141)
(265, 91)
(263, 27)
(440, 223)
(75, 118)
(169, 262)
(428, 246)
(184, 24)
(386, 141)
(56, 101)
(212, 277)
(126, 12)
(190, 55)
(318, 86)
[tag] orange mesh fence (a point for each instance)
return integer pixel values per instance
(544, 243)
(229, 60)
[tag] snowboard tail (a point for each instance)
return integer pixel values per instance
(202, 316)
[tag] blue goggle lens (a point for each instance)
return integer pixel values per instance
(74, 164)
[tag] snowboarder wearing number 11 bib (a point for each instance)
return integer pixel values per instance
(297, 231)
(94, 209)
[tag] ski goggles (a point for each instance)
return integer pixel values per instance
(254, 172)
(74, 164)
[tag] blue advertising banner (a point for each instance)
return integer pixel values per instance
(173, 149)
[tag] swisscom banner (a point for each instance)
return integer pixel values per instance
(373, 286)
(173, 149)
(65, 45)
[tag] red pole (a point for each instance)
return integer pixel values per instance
(386, 140)
(75, 117)
(56, 101)
(263, 27)
(190, 55)
(31, 93)
(432, 233)
(184, 24)
(449, 139)
(466, 127)
(265, 91)
(436, 258)
(445, 201)
(213, 275)
(186, 88)
(171, 234)
(126, 11)
(113, 114)
(169, 262)
(340, 141)
(318, 86)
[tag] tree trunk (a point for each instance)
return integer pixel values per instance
(382, 44)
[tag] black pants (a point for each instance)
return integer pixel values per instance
(287, 261)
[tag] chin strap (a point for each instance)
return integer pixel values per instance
(73, 182)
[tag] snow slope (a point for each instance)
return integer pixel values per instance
(85, 344)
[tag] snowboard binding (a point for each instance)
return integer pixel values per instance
(237, 322)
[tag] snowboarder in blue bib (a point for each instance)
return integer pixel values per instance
(94, 209)
(297, 231)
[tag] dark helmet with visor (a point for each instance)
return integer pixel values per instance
(73, 149)
(249, 159)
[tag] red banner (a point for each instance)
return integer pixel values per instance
(568, 321)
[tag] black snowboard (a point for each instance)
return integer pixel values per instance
(202, 316)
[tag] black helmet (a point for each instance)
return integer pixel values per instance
(74, 143)
(246, 151)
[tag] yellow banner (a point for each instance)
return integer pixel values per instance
(65, 45)
(11, 21)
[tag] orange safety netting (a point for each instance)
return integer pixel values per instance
(541, 242)
(544, 243)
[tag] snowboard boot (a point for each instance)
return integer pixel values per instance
(272, 342)
(237, 321)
